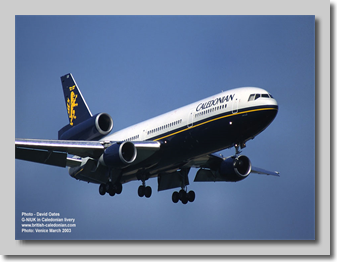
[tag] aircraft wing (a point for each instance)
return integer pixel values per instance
(206, 161)
(55, 152)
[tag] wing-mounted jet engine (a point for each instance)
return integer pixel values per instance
(119, 154)
(234, 168)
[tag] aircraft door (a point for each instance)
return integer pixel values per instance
(235, 105)
(190, 119)
(143, 136)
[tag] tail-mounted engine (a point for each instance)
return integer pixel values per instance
(93, 128)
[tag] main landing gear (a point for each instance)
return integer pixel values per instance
(183, 196)
(110, 188)
(113, 186)
(143, 190)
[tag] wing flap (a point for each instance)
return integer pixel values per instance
(211, 161)
(41, 156)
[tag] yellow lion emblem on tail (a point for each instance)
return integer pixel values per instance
(71, 103)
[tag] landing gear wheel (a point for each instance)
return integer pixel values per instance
(141, 191)
(182, 194)
(112, 191)
(102, 190)
(118, 188)
(191, 196)
(184, 200)
(175, 197)
(148, 191)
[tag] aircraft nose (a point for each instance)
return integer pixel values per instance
(271, 112)
(275, 106)
(273, 102)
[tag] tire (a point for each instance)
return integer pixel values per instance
(141, 191)
(175, 197)
(112, 191)
(148, 191)
(119, 188)
(183, 196)
(102, 189)
(191, 196)
(184, 200)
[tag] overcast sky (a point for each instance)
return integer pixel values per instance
(137, 67)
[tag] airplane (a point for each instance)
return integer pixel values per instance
(165, 147)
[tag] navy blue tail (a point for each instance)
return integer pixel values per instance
(77, 108)
(82, 124)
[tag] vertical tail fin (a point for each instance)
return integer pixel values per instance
(77, 108)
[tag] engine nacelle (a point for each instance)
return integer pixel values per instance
(235, 168)
(119, 155)
(93, 128)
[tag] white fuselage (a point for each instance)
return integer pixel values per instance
(189, 116)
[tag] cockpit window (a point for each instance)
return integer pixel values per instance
(253, 97)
